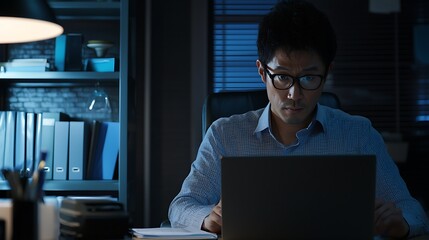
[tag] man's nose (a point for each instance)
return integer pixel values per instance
(295, 91)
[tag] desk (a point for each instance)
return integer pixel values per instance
(168, 234)
(424, 237)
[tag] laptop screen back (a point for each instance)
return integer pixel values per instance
(298, 197)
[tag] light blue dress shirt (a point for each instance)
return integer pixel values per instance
(331, 132)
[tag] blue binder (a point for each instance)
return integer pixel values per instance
(78, 142)
(20, 140)
(47, 144)
(103, 163)
(61, 150)
(9, 152)
(110, 150)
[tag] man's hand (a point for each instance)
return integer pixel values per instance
(388, 220)
(213, 222)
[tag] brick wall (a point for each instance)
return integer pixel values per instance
(73, 100)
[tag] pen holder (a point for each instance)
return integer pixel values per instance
(25, 216)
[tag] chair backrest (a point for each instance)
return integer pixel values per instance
(225, 104)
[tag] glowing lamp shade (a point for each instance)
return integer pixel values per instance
(27, 21)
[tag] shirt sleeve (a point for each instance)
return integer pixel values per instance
(391, 187)
(201, 189)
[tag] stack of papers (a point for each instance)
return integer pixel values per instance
(171, 233)
(25, 65)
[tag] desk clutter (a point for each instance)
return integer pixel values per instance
(100, 217)
(92, 219)
(27, 193)
(46, 218)
(24, 187)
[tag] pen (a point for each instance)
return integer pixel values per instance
(41, 181)
(13, 178)
(35, 190)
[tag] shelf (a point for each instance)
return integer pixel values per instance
(74, 185)
(58, 79)
(84, 185)
(96, 10)
(60, 75)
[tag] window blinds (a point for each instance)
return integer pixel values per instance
(379, 71)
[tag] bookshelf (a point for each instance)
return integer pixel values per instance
(75, 185)
(86, 11)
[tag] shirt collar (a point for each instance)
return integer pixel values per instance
(321, 116)
(264, 119)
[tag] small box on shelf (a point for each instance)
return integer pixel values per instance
(100, 64)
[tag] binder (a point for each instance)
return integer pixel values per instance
(78, 149)
(91, 169)
(9, 152)
(37, 139)
(68, 52)
(47, 144)
(61, 150)
(110, 150)
(20, 140)
(105, 152)
(30, 141)
(2, 137)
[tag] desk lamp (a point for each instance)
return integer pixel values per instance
(27, 21)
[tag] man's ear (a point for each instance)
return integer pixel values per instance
(261, 70)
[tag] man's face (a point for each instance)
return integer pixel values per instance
(294, 105)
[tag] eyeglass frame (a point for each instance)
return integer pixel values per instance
(294, 79)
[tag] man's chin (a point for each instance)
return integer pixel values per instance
(293, 120)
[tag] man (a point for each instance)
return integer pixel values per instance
(296, 47)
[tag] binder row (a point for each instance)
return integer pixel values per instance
(20, 140)
(75, 150)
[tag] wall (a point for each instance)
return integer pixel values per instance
(170, 115)
(159, 106)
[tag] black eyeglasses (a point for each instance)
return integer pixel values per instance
(285, 81)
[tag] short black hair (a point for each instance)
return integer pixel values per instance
(296, 25)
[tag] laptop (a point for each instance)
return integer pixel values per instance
(298, 197)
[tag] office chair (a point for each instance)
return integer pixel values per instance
(224, 104)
